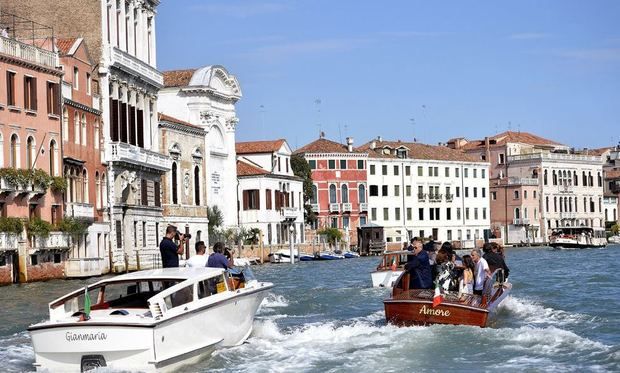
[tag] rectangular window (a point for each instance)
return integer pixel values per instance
(436, 169)
(408, 190)
(457, 172)
(501, 158)
(386, 213)
(331, 164)
(373, 214)
(447, 171)
(437, 217)
(430, 171)
(466, 192)
(484, 192)
(449, 213)
(373, 191)
(420, 171)
(396, 190)
(420, 192)
(421, 233)
(397, 213)
(475, 213)
(157, 193)
(396, 171)
(431, 215)
(119, 234)
(475, 192)
(449, 234)
(30, 93)
(420, 214)
(475, 173)
(466, 213)
(484, 213)
(493, 196)
(458, 192)
(268, 199)
(144, 197)
(384, 190)
(10, 88)
(251, 199)
(409, 213)
(88, 84)
(384, 170)
(143, 234)
(372, 169)
(483, 173)
(76, 77)
(458, 213)
(407, 170)
(53, 98)
(466, 172)
(360, 164)
(343, 164)
(312, 164)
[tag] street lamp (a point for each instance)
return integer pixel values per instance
(291, 229)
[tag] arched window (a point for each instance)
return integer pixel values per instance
(67, 177)
(600, 204)
(96, 137)
(584, 178)
(174, 183)
(555, 204)
(97, 190)
(575, 179)
(84, 137)
(576, 205)
(197, 186)
(517, 213)
(585, 204)
(590, 179)
(65, 124)
(361, 191)
(344, 193)
(315, 194)
(76, 128)
(85, 198)
(600, 180)
(332, 193)
(545, 177)
(547, 203)
(570, 204)
(30, 152)
(53, 156)
(14, 151)
(561, 204)
(104, 190)
(555, 178)
(525, 213)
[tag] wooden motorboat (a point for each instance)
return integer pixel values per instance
(390, 268)
(415, 306)
(578, 237)
(153, 320)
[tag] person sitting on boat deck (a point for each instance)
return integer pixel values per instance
(419, 267)
(494, 260)
(217, 259)
(200, 259)
(481, 271)
(446, 275)
(466, 283)
(169, 250)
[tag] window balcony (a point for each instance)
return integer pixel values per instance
(521, 221)
(56, 240)
(568, 215)
(28, 52)
(347, 207)
(131, 64)
(122, 152)
(84, 267)
(363, 206)
(334, 207)
(435, 197)
(80, 211)
(522, 181)
(8, 241)
(315, 207)
(289, 213)
(449, 197)
(421, 197)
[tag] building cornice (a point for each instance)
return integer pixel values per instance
(182, 128)
(30, 65)
(80, 106)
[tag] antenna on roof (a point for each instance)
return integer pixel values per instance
(339, 133)
(262, 118)
(519, 128)
(317, 104)
(412, 120)
(509, 126)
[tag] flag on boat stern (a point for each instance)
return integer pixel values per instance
(438, 298)
(393, 266)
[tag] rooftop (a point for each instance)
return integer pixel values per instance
(512, 137)
(252, 147)
(65, 45)
(322, 145)
(178, 78)
(246, 169)
(168, 118)
(415, 151)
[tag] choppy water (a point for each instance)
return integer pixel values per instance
(563, 315)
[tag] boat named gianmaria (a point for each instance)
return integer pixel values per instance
(148, 320)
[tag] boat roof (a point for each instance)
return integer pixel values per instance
(180, 273)
(397, 252)
(579, 228)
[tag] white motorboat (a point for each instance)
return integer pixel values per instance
(389, 270)
(614, 239)
(577, 237)
(283, 256)
(153, 320)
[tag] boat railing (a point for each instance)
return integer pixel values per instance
(487, 290)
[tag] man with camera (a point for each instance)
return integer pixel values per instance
(169, 250)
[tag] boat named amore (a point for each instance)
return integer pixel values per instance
(153, 320)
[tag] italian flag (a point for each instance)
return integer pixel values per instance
(438, 298)
(393, 266)
(86, 303)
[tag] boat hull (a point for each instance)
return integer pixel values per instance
(420, 312)
(159, 346)
(569, 244)
(385, 278)
(306, 258)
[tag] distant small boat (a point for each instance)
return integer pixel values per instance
(306, 257)
(282, 256)
(614, 239)
(577, 237)
(351, 254)
(326, 255)
(391, 266)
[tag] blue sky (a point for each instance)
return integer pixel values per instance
(399, 69)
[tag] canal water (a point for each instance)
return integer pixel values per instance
(563, 316)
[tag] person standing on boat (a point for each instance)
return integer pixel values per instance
(200, 259)
(466, 284)
(481, 272)
(494, 259)
(169, 250)
(217, 259)
(419, 267)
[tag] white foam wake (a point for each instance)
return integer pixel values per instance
(534, 313)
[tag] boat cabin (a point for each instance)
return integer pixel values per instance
(391, 258)
(575, 232)
(370, 238)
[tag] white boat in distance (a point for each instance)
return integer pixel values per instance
(153, 320)
(283, 256)
(577, 237)
(389, 270)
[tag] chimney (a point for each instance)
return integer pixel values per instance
(379, 139)
(350, 144)
(322, 135)
(373, 145)
(487, 149)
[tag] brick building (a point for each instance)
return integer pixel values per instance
(29, 152)
(340, 197)
(83, 166)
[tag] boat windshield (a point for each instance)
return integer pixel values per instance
(247, 273)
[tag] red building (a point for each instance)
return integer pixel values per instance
(340, 197)
(82, 158)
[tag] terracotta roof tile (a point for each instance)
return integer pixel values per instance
(323, 145)
(513, 137)
(168, 118)
(251, 147)
(417, 151)
(599, 151)
(178, 78)
(64, 45)
(613, 174)
(244, 169)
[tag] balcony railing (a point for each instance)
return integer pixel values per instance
(435, 197)
(8, 241)
(568, 215)
(28, 52)
(421, 197)
(449, 197)
(84, 267)
(521, 221)
(122, 152)
(334, 207)
(127, 61)
(315, 207)
(56, 240)
(80, 210)
(522, 181)
(556, 157)
(290, 212)
(347, 207)
(363, 206)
